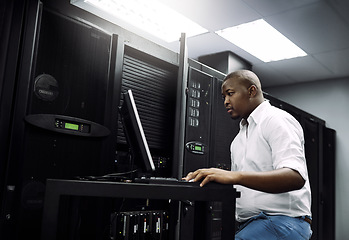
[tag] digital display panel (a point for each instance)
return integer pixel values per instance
(71, 126)
(198, 148)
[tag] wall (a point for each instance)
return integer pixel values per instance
(329, 101)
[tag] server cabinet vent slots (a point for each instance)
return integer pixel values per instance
(153, 83)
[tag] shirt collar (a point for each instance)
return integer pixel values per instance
(256, 114)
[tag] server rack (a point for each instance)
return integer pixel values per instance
(209, 131)
(60, 96)
(319, 153)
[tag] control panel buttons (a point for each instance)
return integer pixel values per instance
(194, 102)
(194, 112)
(194, 122)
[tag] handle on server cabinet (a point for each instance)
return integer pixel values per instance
(8, 200)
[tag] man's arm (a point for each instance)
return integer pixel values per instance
(275, 181)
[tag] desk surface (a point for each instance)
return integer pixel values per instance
(212, 192)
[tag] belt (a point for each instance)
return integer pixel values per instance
(307, 219)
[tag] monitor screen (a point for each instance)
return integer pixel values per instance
(134, 133)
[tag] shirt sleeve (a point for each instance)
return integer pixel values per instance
(285, 137)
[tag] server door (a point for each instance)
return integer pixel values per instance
(58, 128)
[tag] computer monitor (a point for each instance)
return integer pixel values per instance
(134, 134)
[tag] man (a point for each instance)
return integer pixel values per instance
(268, 165)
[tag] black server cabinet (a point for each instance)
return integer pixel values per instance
(223, 130)
(198, 120)
(209, 131)
(60, 111)
(319, 152)
(11, 14)
(329, 178)
(313, 152)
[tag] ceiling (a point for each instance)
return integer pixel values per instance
(319, 27)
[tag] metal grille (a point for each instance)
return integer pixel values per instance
(154, 90)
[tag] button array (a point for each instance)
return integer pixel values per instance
(194, 104)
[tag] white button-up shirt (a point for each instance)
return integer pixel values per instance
(270, 139)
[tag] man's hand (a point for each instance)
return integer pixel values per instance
(275, 181)
(213, 174)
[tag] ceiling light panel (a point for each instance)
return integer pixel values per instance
(148, 15)
(262, 41)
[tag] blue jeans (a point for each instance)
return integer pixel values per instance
(274, 227)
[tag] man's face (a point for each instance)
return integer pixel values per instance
(236, 98)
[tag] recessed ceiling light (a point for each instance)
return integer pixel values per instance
(262, 40)
(148, 15)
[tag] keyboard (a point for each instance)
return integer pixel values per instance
(165, 180)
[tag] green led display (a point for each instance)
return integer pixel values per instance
(198, 148)
(71, 126)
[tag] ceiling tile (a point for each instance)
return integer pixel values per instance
(341, 7)
(270, 7)
(302, 69)
(336, 61)
(315, 28)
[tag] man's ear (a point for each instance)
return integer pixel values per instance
(252, 90)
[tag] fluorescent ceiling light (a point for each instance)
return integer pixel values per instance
(150, 16)
(262, 40)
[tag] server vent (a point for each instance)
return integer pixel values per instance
(154, 89)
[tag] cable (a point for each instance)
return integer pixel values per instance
(111, 176)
